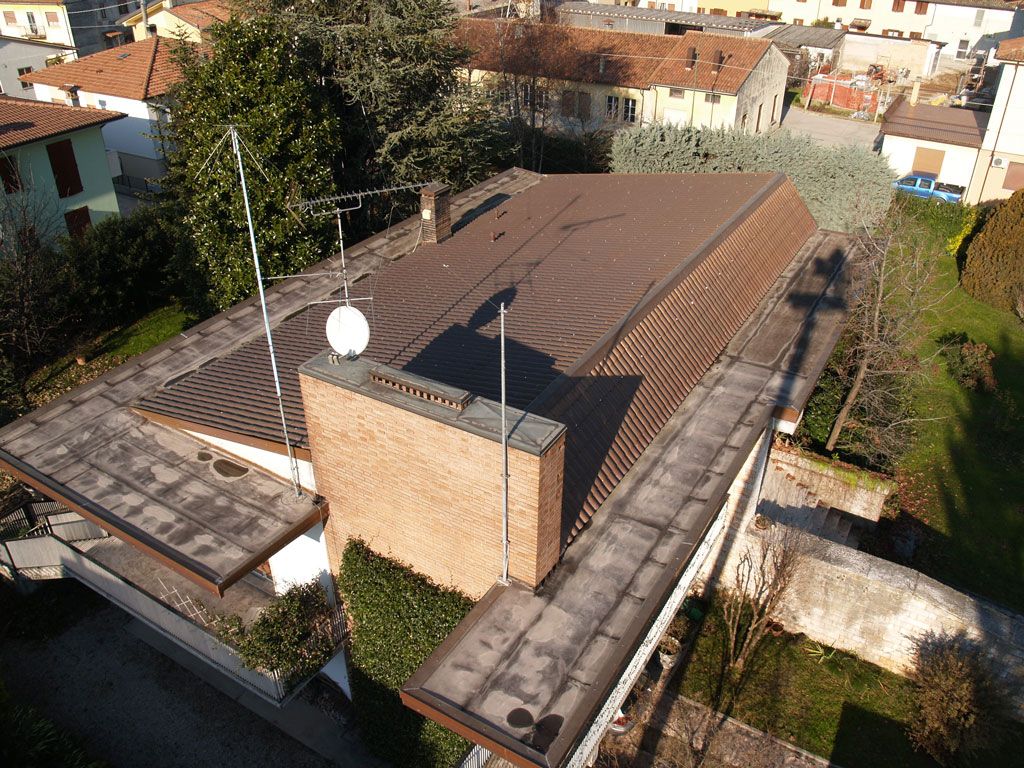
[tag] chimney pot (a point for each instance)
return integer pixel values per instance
(915, 92)
(435, 211)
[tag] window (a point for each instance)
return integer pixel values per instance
(51, 19)
(9, 173)
(775, 103)
(927, 162)
(576, 104)
(629, 110)
(676, 93)
(10, 18)
(103, 12)
(920, 8)
(979, 17)
(64, 167)
(122, 9)
(77, 221)
(961, 49)
(712, 98)
(865, 4)
(24, 71)
(892, 33)
(798, 22)
(1014, 178)
(839, 3)
(897, 6)
(914, 35)
(31, 19)
(612, 107)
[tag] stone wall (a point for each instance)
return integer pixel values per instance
(855, 491)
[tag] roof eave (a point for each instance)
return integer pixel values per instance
(97, 124)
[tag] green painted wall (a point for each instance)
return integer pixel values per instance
(91, 157)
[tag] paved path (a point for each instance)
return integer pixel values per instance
(828, 129)
(131, 706)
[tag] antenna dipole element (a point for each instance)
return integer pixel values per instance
(504, 458)
(294, 464)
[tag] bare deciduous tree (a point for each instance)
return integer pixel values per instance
(763, 575)
(896, 295)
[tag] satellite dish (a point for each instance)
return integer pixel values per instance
(348, 333)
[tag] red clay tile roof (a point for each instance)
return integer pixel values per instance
(202, 14)
(612, 58)
(142, 70)
(948, 125)
(1011, 50)
(619, 302)
(23, 121)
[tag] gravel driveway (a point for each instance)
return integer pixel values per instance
(129, 705)
(828, 129)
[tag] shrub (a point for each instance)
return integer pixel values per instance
(293, 636)
(969, 362)
(994, 269)
(397, 619)
(959, 702)
(845, 188)
(31, 740)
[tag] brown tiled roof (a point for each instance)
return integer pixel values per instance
(202, 14)
(1011, 50)
(142, 70)
(579, 260)
(23, 121)
(612, 58)
(947, 125)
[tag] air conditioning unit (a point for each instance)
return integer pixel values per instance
(998, 162)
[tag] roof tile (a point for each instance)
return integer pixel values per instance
(23, 121)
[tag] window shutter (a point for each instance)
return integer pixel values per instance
(568, 103)
(65, 169)
(9, 174)
(584, 100)
(78, 221)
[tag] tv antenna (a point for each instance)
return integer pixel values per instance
(237, 143)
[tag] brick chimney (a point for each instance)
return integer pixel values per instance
(435, 211)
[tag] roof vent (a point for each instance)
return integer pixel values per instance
(419, 388)
(229, 469)
(717, 60)
(691, 57)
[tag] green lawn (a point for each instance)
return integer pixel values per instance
(832, 704)
(963, 481)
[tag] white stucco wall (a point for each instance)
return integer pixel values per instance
(303, 560)
(957, 165)
(18, 54)
(953, 23)
(861, 51)
(274, 463)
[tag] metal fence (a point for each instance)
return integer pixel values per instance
(477, 757)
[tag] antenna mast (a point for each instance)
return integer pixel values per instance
(294, 464)
(504, 458)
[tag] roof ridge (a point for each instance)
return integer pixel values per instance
(149, 69)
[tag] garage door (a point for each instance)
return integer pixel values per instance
(928, 162)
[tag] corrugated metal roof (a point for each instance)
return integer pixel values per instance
(947, 125)
(797, 35)
(576, 258)
(672, 17)
(625, 59)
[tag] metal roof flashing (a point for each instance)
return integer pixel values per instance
(479, 415)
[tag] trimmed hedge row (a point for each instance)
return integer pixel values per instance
(397, 619)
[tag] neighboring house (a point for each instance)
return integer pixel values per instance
(134, 79)
(981, 151)
(88, 25)
(962, 25)
(654, 21)
(645, 385)
(19, 56)
(54, 156)
(178, 18)
(589, 80)
(809, 49)
(918, 57)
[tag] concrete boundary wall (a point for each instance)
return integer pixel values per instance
(855, 491)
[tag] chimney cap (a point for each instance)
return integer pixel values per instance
(435, 188)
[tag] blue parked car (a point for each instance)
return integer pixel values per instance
(922, 186)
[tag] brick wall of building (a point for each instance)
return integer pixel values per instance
(428, 494)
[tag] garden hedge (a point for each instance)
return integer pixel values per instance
(994, 270)
(397, 618)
